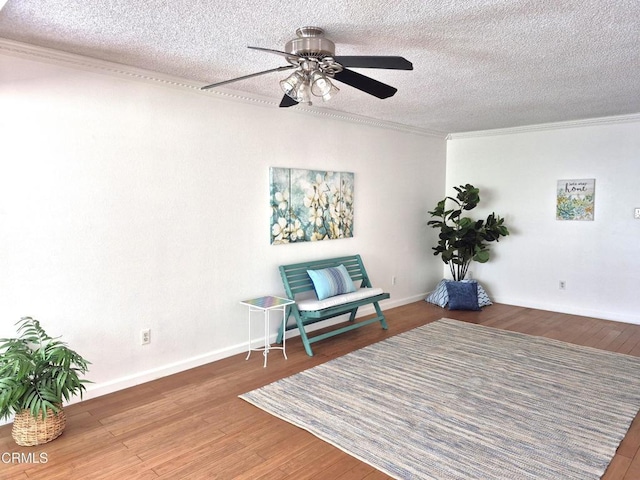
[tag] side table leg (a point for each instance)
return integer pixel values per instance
(284, 333)
(249, 352)
(266, 337)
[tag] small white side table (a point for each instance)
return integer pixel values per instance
(266, 305)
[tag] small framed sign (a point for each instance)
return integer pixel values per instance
(575, 199)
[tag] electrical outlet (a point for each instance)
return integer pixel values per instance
(393, 280)
(563, 285)
(636, 214)
(145, 336)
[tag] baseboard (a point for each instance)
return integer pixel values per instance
(99, 389)
(572, 310)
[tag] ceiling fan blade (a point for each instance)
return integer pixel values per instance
(394, 63)
(287, 101)
(277, 52)
(247, 76)
(366, 84)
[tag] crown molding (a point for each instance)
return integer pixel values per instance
(57, 57)
(588, 122)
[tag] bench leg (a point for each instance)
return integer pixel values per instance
(281, 332)
(383, 321)
(303, 333)
(303, 336)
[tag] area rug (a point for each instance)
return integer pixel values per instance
(452, 400)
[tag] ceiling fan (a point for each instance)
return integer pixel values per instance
(315, 63)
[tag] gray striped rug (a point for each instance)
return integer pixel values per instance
(452, 400)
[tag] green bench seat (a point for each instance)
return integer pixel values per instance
(296, 281)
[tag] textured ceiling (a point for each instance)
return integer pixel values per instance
(478, 64)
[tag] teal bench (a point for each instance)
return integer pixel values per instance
(296, 280)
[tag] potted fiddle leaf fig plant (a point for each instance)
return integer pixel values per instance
(37, 373)
(462, 239)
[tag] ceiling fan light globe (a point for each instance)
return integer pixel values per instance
(331, 93)
(292, 84)
(304, 94)
(320, 84)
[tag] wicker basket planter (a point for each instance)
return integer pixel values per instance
(37, 374)
(29, 431)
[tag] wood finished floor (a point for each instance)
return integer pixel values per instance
(192, 425)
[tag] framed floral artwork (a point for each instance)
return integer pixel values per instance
(310, 205)
(575, 199)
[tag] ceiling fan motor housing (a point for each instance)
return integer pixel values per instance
(310, 43)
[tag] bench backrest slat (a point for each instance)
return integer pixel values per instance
(296, 279)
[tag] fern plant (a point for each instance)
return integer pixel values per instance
(37, 372)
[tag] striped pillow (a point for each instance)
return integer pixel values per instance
(331, 281)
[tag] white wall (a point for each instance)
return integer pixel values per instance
(127, 204)
(517, 174)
